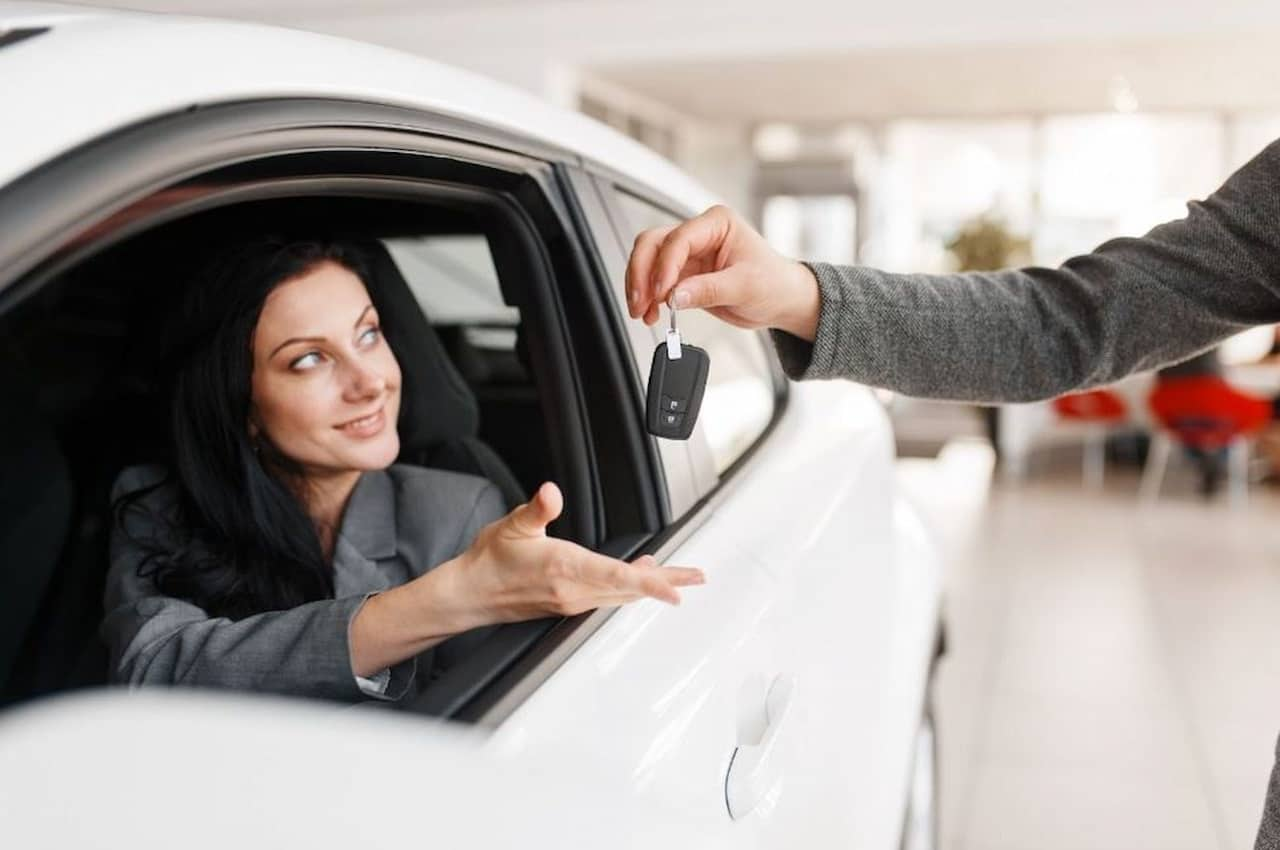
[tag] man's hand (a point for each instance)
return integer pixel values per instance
(716, 261)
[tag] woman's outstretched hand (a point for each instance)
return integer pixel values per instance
(514, 571)
(716, 261)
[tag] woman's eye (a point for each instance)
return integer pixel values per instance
(306, 361)
(370, 336)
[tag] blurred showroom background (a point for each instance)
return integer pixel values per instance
(1113, 678)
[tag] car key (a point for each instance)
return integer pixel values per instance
(677, 380)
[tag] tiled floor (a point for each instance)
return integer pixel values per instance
(1113, 678)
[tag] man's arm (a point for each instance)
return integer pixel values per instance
(1016, 335)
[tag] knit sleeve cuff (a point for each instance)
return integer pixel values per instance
(803, 360)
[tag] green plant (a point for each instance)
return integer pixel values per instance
(985, 243)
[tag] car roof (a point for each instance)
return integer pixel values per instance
(95, 71)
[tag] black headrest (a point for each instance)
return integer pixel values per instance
(436, 403)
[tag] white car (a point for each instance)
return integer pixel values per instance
(784, 704)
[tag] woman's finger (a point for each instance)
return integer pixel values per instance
(679, 576)
(684, 576)
(643, 576)
(535, 515)
(659, 588)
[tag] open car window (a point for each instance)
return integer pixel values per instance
(496, 283)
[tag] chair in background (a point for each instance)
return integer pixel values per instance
(1098, 411)
(1208, 416)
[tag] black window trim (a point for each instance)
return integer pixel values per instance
(18, 34)
(591, 218)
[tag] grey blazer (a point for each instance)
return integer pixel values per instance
(399, 523)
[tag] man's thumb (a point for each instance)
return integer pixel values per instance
(535, 515)
(713, 289)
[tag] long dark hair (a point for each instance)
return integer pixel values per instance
(235, 539)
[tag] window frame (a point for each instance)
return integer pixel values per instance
(710, 486)
(100, 192)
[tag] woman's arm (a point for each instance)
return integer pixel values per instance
(1014, 335)
(302, 651)
(512, 571)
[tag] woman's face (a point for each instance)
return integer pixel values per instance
(326, 387)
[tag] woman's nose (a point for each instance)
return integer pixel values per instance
(366, 382)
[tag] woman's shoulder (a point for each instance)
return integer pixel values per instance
(452, 498)
(145, 506)
(133, 479)
(416, 482)
(439, 511)
(148, 486)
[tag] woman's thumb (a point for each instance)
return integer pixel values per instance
(535, 515)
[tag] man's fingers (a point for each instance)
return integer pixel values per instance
(535, 515)
(640, 269)
(704, 234)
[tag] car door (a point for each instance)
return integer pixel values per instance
(779, 703)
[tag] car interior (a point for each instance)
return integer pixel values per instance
(81, 367)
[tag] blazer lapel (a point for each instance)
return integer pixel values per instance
(367, 534)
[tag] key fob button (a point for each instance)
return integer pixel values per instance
(676, 387)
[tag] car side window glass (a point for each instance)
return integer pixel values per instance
(739, 400)
(454, 279)
(455, 282)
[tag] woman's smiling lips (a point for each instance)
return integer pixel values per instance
(365, 426)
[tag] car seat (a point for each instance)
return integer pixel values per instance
(439, 416)
(36, 505)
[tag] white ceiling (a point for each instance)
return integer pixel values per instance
(829, 60)
(1215, 73)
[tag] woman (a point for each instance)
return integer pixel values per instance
(283, 551)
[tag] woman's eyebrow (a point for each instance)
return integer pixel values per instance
(292, 340)
(276, 350)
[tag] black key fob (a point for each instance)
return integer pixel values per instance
(676, 385)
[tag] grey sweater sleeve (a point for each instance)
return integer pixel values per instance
(1020, 335)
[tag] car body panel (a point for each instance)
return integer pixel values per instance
(156, 770)
(133, 67)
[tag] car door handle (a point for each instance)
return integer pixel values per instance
(756, 768)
